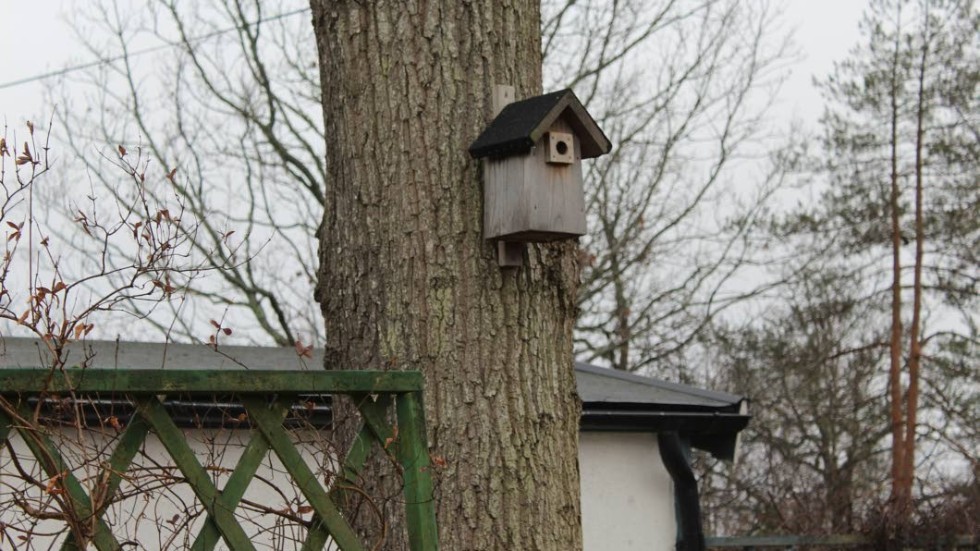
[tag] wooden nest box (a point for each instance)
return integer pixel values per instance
(533, 153)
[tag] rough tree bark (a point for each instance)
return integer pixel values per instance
(406, 280)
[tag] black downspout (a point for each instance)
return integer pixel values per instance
(690, 536)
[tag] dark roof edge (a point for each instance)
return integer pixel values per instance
(714, 432)
(598, 144)
(613, 419)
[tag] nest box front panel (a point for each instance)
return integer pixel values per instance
(538, 196)
(553, 189)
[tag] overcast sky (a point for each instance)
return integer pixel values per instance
(36, 37)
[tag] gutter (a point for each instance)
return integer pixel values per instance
(674, 452)
(712, 431)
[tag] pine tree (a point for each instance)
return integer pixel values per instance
(901, 142)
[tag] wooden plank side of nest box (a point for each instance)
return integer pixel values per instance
(503, 210)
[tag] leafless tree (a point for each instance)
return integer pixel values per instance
(230, 103)
(813, 457)
(58, 288)
(679, 87)
(682, 89)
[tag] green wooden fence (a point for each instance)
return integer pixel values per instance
(267, 397)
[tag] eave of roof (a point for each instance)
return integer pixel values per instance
(615, 401)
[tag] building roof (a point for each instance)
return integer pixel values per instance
(611, 400)
(20, 352)
(521, 124)
(602, 385)
(616, 401)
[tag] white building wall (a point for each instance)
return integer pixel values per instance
(627, 494)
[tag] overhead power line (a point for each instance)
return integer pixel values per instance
(144, 51)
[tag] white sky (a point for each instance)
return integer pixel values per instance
(36, 37)
(824, 31)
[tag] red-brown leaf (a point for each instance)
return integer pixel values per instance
(392, 438)
(52, 486)
(303, 351)
(438, 461)
(25, 157)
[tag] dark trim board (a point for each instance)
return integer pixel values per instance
(713, 432)
(225, 412)
(600, 417)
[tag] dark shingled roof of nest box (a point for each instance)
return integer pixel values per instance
(521, 124)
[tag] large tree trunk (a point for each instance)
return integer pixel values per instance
(407, 281)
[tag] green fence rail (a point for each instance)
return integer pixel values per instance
(266, 397)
